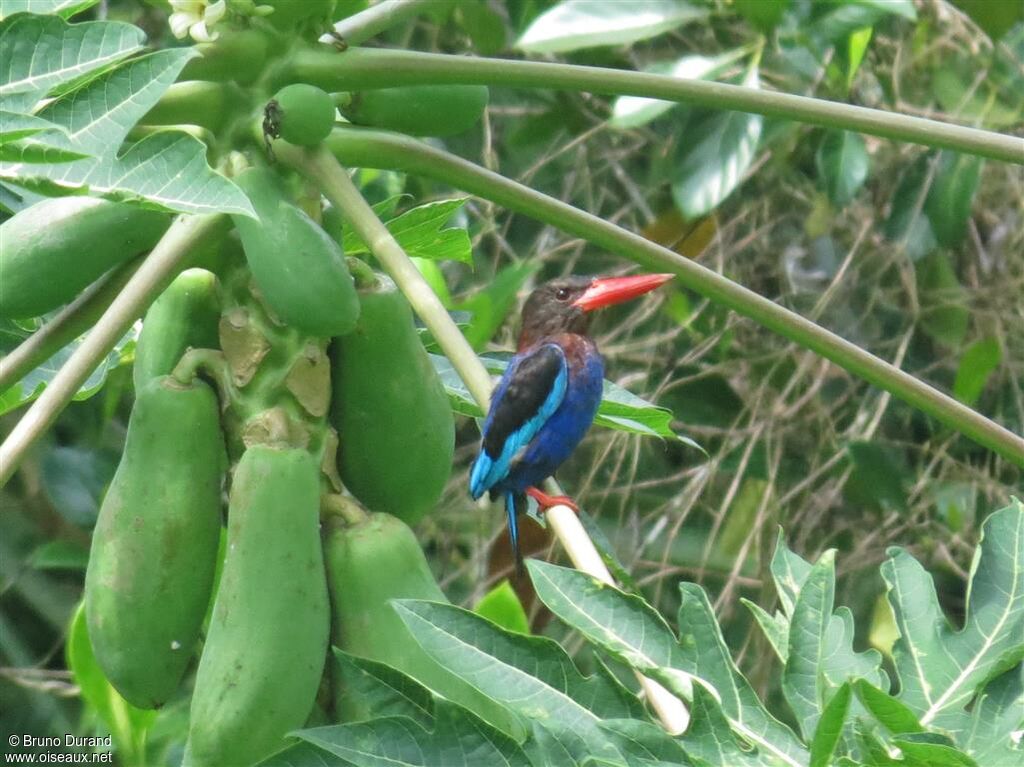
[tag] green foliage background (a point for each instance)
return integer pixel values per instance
(915, 255)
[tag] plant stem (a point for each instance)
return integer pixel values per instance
(379, 68)
(73, 320)
(155, 273)
(336, 185)
(380, 149)
(360, 27)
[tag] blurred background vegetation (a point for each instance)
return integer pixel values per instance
(917, 256)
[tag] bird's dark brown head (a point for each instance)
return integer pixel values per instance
(550, 310)
(564, 305)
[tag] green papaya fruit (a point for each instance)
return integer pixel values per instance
(185, 315)
(302, 114)
(267, 640)
(154, 547)
(54, 249)
(390, 409)
(300, 271)
(368, 564)
(420, 110)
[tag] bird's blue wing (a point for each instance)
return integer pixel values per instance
(529, 393)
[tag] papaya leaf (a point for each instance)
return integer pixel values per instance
(532, 676)
(644, 744)
(941, 669)
(167, 170)
(63, 8)
(829, 729)
(458, 739)
(574, 24)
(718, 151)
(41, 53)
(385, 691)
(422, 234)
(501, 606)
(15, 126)
(629, 629)
(710, 739)
(34, 382)
(820, 655)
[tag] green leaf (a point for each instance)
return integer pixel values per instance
(628, 628)
(532, 676)
(47, 146)
(977, 364)
(774, 627)
(830, 727)
(878, 477)
(75, 479)
(383, 690)
(942, 669)
(718, 151)
(820, 656)
(945, 315)
(32, 384)
(890, 713)
(856, 47)
(842, 162)
(763, 14)
(128, 725)
(710, 739)
(575, 24)
(63, 8)
(957, 95)
(840, 19)
(789, 571)
(491, 304)
(644, 744)
(98, 116)
(952, 192)
(501, 606)
(620, 409)
(60, 554)
(906, 224)
(15, 126)
(634, 111)
(459, 739)
(995, 18)
(421, 233)
(40, 53)
(992, 736)
(920, 752)
(167, 170)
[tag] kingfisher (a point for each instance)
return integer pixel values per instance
(549, 393)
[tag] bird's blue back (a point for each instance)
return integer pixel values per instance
(563, 413)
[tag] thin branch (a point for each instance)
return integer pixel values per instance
(321, 166)
(360, 27)
(380, 149)
(155, 273)
(73, 320)
(380, 67)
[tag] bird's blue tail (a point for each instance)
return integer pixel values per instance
(513, 529)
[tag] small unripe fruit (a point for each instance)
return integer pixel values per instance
(301, 114)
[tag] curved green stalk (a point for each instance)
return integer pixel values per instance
(379, 149)
(379, 68)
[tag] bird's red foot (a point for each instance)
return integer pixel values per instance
(545, 501)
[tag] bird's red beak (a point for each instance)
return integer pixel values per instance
(606, 291)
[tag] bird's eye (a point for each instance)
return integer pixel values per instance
(562, 294)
